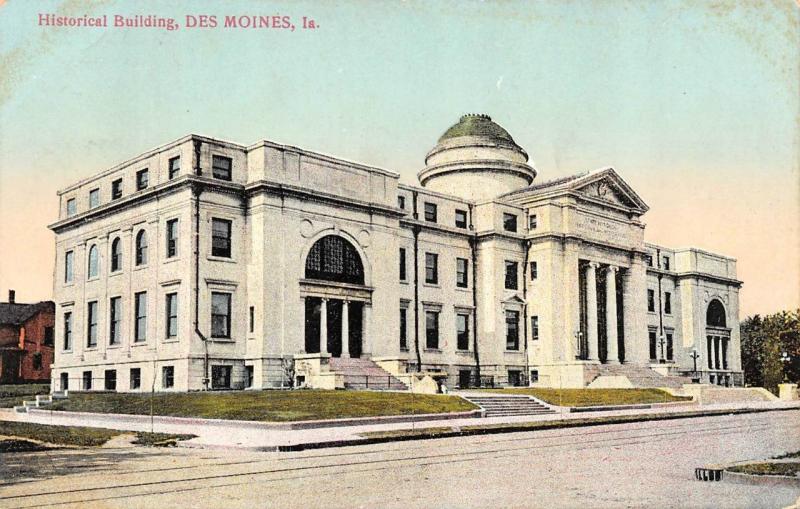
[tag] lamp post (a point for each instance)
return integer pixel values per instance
(785, 359)
(695, 355)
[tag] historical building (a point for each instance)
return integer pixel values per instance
(208, 264)
(26, 341)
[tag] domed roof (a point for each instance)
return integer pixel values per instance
(478, 125)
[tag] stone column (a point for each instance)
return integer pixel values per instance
(365, 316)
(345, 329)
(612, 349)
(323, 327)
(591, 310)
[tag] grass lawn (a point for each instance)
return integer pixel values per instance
(79, 436)
(788, 469)
(594, 397)
(12, 395)
(274, 406)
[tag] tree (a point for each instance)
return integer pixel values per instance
(763, 342)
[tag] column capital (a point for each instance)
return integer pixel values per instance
(593, 265)
(612, 268)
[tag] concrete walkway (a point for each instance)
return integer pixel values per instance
(260, 436)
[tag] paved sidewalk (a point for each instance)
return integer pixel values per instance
(257, 436)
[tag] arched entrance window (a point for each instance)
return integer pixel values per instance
(333, 258)
(715, 315)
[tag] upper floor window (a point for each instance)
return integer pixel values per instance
(509, 222)
(171, 314)
(649, 260)
(94, 198)
(532, 222)
(432, 330)
(512, 330)
(114, 320)
(511, 275)
(221, 238)
(49, 336)
(69, 260)
(220, 315)
(91, 324)
(430, 212)
(462, 331)
(252, 326)
(333, 258)
(221, 167)
(140, 308)
(116, 189)
(116, 255)
(94, 262)
(141, 248)
(534, 328)
(68, 331)
(668, 303)
(461, 218)
(534, 270)
(431, 268)
(172, 238)
(403, 274)
(142, 179)
(666, 262)
(462, 272)
(72, 207)
(174, 167)
(651, 301)
(401, 202)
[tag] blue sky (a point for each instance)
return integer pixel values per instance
(694, 103)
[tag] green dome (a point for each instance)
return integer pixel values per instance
(480, 126)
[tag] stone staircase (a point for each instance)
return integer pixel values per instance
(40, 401)
(506, 405)
(364, 374)
(640, 376)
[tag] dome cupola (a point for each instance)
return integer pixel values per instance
(476, 159)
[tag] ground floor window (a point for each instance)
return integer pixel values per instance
(403, 329)
(221, 377)
(64, 381)
(512, 330)
(514, 377)
(167, 377)
(669, 346)
(534, 376)
(248, 377)
(431, 330)
(136, 378)
(464, 378)
(87, 380)
(653, 349)
(111, 380)
(462, 331)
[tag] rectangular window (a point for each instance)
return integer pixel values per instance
(252, 318)
(248, 377)
(136, 378)
(68, 331)
(72, 207)
(220, 315)
(174, 167)
(667, 303)
(114, 320)
(116, 189)
(514, 377)
(142, 179)
(431, 268)
(512, 330)
(462, 331)
(649, 260)
(462, 272)
(534, 270)
(430, 212)
(64, 381)
(94, 198)
(431, 330)
(140, 327)
(653, 347)
(403, 329)
(532, 222)
(49, 336)
(37, 361)
(69, 261)
(91, 324)
(172, 238)
(666, 263)
(221, 377)
(461, 218)
(401, 202)
(651, 301)
(167, 377)
(511, 275)
(509, 222)
(534, 328)
(403, 274)
(111, 380)
(669, 346)
(221, 167)
(171, 313)
(87, 380)
(221, 238)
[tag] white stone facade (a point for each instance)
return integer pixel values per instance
(301, 235)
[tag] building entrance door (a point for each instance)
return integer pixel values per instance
(335, 332)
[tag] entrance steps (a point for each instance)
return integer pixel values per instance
(40, 401)
(640, 376)
(506, 405)
(364, 374)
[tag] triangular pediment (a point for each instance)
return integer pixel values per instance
(606, 185)
(514, 300)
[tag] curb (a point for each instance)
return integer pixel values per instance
(516, 429)
(762, 480)
(637, 406)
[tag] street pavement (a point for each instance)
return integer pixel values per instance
(645, 464)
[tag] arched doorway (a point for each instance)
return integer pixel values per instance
(335, 298)
(717, 343)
